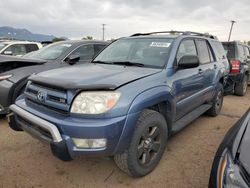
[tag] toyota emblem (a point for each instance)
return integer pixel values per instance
(41, 96)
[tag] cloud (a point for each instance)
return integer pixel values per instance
(77, 18)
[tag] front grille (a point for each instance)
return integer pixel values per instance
(55, 98)
(28, 125)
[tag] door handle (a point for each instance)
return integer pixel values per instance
(215, 66)
(200, 71)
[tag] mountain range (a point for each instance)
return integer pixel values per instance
(23, 34)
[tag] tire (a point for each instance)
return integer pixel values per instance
(241, 88)
(216, 102)
(147, 145)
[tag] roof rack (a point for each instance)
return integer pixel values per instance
(176, 32)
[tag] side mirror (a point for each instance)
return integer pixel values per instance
(7, 53)
(189, 61)
(72, 59)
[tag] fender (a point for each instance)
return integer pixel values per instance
(142, 101)
(16, 88)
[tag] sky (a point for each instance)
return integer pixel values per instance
(78, 18)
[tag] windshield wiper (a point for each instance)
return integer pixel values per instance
(128, 63)
(101, 62)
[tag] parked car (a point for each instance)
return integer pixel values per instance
(135, 94)
(15, 71)
(18, 48)
(231, 166)
(239, 56)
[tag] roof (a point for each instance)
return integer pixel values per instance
(18, 42)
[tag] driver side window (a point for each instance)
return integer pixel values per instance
(85, 52)
(17, 49)
(187, 47)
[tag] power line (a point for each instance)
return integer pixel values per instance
(103, 30)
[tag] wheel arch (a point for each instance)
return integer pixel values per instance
(158, 99)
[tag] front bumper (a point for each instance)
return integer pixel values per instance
(59, 131)
(5, 87)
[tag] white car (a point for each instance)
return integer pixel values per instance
(18, 48)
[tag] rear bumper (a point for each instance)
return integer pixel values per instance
(59, 131)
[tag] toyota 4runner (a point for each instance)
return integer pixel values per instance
(128, 101)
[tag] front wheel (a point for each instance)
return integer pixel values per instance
(217, 102)
(147, 145)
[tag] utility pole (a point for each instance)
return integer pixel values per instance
(103, 29)
(232, 24)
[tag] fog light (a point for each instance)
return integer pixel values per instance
(90, 143)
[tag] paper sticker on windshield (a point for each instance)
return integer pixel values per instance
(160, 44)
(66, 45)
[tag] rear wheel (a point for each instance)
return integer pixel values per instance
(147, 145)
(217, 102)
(241, 88)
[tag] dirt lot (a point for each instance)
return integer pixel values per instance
(25, 162)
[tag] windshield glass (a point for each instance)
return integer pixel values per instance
(2, 45)
(50, 52)
(151, 52)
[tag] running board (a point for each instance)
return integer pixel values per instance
(183, 122)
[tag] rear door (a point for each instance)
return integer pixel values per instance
(208, 66)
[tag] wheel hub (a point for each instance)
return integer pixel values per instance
(148, 143)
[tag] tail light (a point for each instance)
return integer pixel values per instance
(235, 66)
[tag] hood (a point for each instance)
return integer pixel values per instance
(5, 58)
(244, 145)
(8, 63)
(92, 76)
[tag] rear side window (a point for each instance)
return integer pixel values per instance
(203, 53)
(85, 52)
(31, 47)
(220, 49)
(98, 48)
(187, 47)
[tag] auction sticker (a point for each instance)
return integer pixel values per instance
(160, 44)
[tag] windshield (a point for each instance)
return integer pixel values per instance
(2, 45)
(50, 52)
(150, 52)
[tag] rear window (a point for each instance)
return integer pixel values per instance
(230, 50)
(31, 47)
(221, 53)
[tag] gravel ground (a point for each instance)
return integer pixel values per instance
(25, 162)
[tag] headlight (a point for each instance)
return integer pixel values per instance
(229, 174)
(4, 77)
(96, 102)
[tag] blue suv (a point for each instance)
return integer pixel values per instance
(127, 102)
